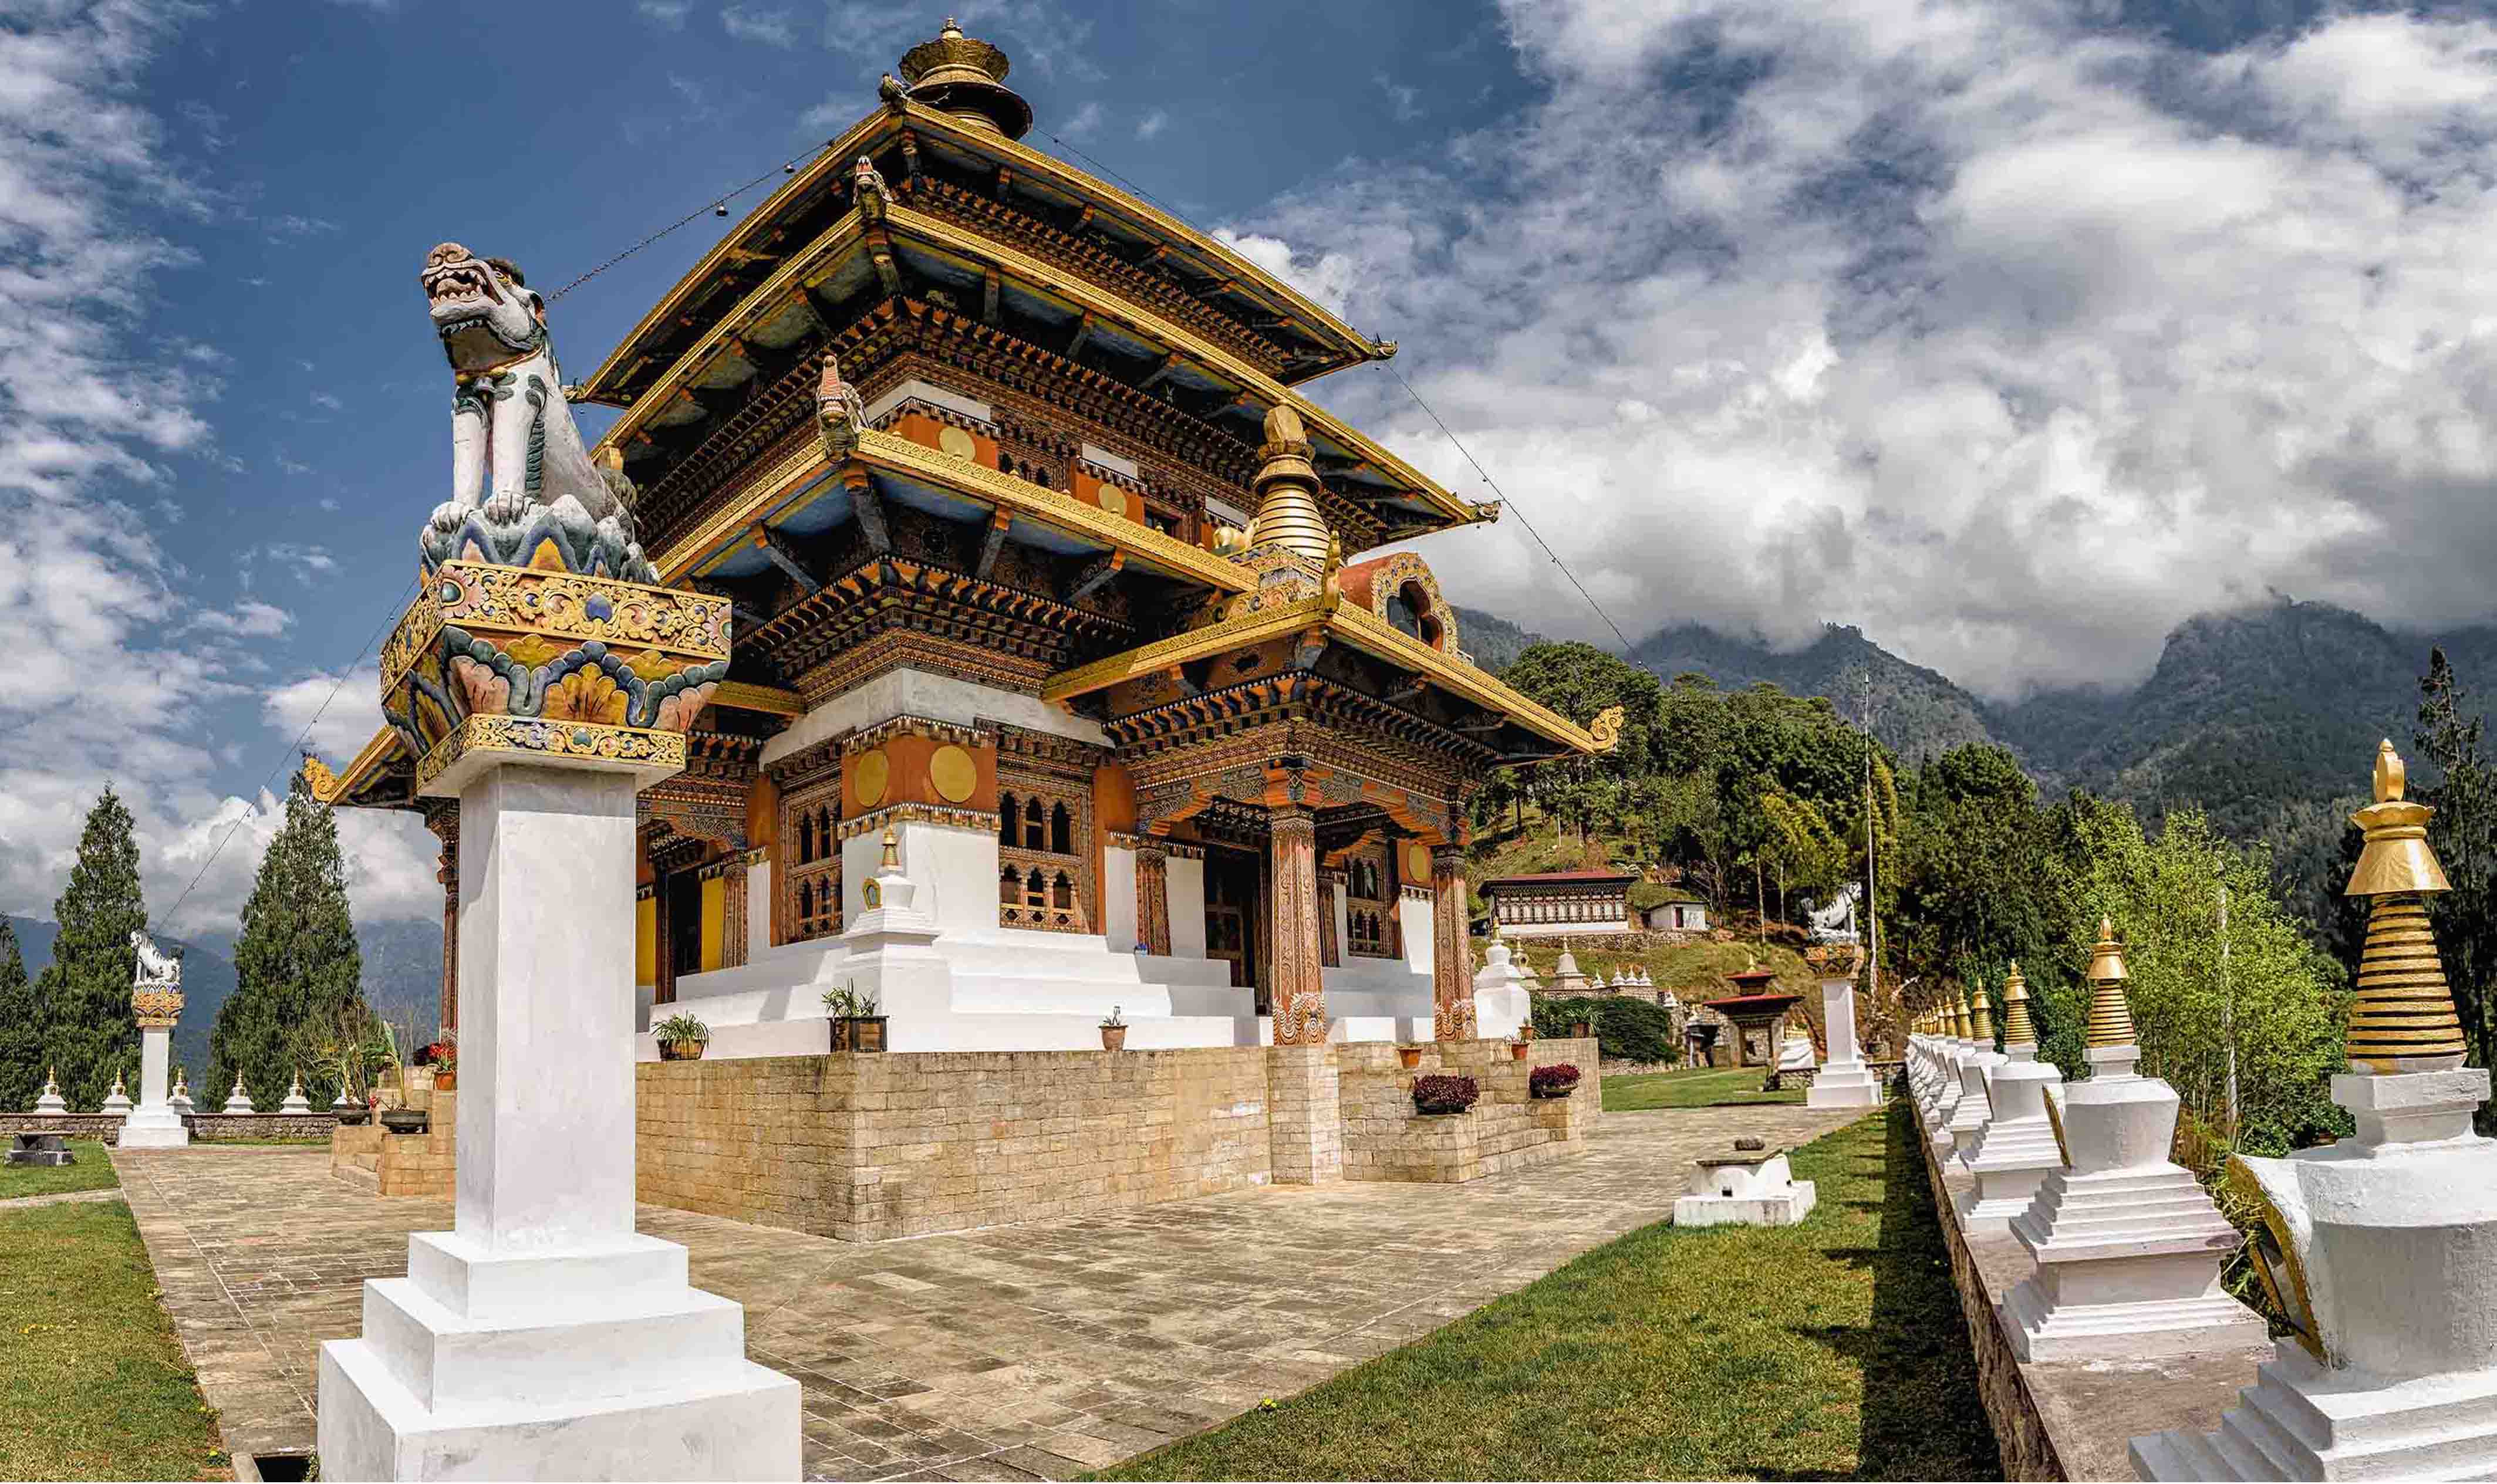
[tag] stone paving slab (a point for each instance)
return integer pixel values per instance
(1038, 1351)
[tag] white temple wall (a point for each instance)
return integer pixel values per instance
(955, 869)
(1119, 896)
(1186, 883)
(1413, 917)
(758, 908)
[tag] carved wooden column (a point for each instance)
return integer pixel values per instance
(1329, 953)
(444, 821)
(1452, 987)
(1152, 899)
(1300, 1001)
(732, 914)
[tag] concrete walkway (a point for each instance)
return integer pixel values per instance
(1036, 1351)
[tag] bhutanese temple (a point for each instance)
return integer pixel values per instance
(1052, 598)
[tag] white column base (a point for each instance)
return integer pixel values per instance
(590, 1363)
(2128, 1269)
(158, 1127)
(1844, 1084)
(2011, 1164)
(1783, 1210)
(2299, 1421)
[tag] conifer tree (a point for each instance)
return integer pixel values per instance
(296, 966)
(21, 1028)
(85, 989)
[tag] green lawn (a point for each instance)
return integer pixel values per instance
(97, 1387)
(1693, 1087)
(92, 1172)
(1833, 1349)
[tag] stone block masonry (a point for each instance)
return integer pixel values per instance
(868, 1147)
(386, 1164)
(1385, 1139)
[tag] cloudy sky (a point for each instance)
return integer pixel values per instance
(2014, 331)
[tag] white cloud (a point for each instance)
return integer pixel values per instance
(1152, 124)
(334, 715)
(667, 13)
(772, 28)
(117, 665)
(2011, 337)
(1084, 124)
(327, 400)
(1404, 98)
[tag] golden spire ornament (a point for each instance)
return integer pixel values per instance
(2018, 1029)
(1962, 1026)
(1981, 1015)
(2403, 1020)
(2110, 1015)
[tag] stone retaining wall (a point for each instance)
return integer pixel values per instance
(1385, 1139)
(864, 1147)
(370, 1156)
(204, 1127)
(2068, 1420)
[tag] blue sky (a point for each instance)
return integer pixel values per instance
(2016, 330)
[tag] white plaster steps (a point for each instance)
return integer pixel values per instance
(1070, 1033)
(2200, 1456)
(2299, 1421)
(2129, 1211)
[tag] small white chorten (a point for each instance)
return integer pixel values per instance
(2127, 1245)
(2017, 1149)
(118, 1101)
(239, 1100)
(296, 1101)
(1977, 1102)
(50, 1100)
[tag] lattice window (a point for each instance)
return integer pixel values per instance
(1045, 858)
(808, 880)
(1369, 903)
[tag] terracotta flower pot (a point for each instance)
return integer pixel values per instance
(1114, 1038)
(1408, 1057)
(681, 1050)
(445, 1082)
(1517, 1050)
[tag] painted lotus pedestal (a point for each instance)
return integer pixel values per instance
(2380, 1249)
(2017, 1150)
(2127, 1245)
(1844, 1081)
(536, 683)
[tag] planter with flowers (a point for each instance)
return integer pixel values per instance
(1442, 1095)
(1113, 1031)
(856, 1026)
(1559, 1079)
(682, 1038)
(444, 1059)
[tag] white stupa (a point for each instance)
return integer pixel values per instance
(239, 1100)
(296, 1101)
(50, 1101)
(2018, 1148)
(1794, 1053)
(180, 1101)
(118, 1101)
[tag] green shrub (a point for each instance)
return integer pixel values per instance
(1627, 1030)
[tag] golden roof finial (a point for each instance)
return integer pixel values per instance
(1287, 483)
(2110, 1014)
(2403, 1019)
(1981, 1015)
(964, 77)
(891, 851)
(1960, 1026)
(2018, 1029)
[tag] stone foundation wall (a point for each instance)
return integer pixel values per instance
(204, 1127)
(386, 1164)
(866, 1147)
(1385, 1140)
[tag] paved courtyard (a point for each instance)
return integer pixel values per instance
(1034, 1351)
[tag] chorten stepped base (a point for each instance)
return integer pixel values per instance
(2302, 1421)
(2015, 1152)
(2128, 1269)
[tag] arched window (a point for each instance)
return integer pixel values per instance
(1062, 831)
(1006, 819)
(1035, 828)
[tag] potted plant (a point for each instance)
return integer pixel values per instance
(406, 1120)
(681, 1037)
(1559, 1079)
(1441, 1095)
(1520, 1048)
(1113, 1031)
(856, 1026)
(1408, 1057)
(1582, 1029)
(445, 1061)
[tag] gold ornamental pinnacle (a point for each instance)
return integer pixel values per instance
(892, 860)
(2110, 1015)
(1962, 1024)
(2403, 1019)
(2018, 1029)
(1981, 1015)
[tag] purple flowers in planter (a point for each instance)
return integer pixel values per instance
(1444, 1094)
(1558, 1080)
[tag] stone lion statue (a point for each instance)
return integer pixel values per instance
(157, 969)
(523, 491)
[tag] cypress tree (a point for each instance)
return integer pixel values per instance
(85, 989)
(21, 1028)
(298, 973)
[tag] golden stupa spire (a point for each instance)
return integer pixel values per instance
(1981, 1015)
(1962, 1023)
(1287, 486)
(2018, 1029)
(2403, 1019)
(2110, 1014)
(964, 77)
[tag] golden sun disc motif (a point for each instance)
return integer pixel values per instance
(955, 441)
(954, 774)
(868, 777)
